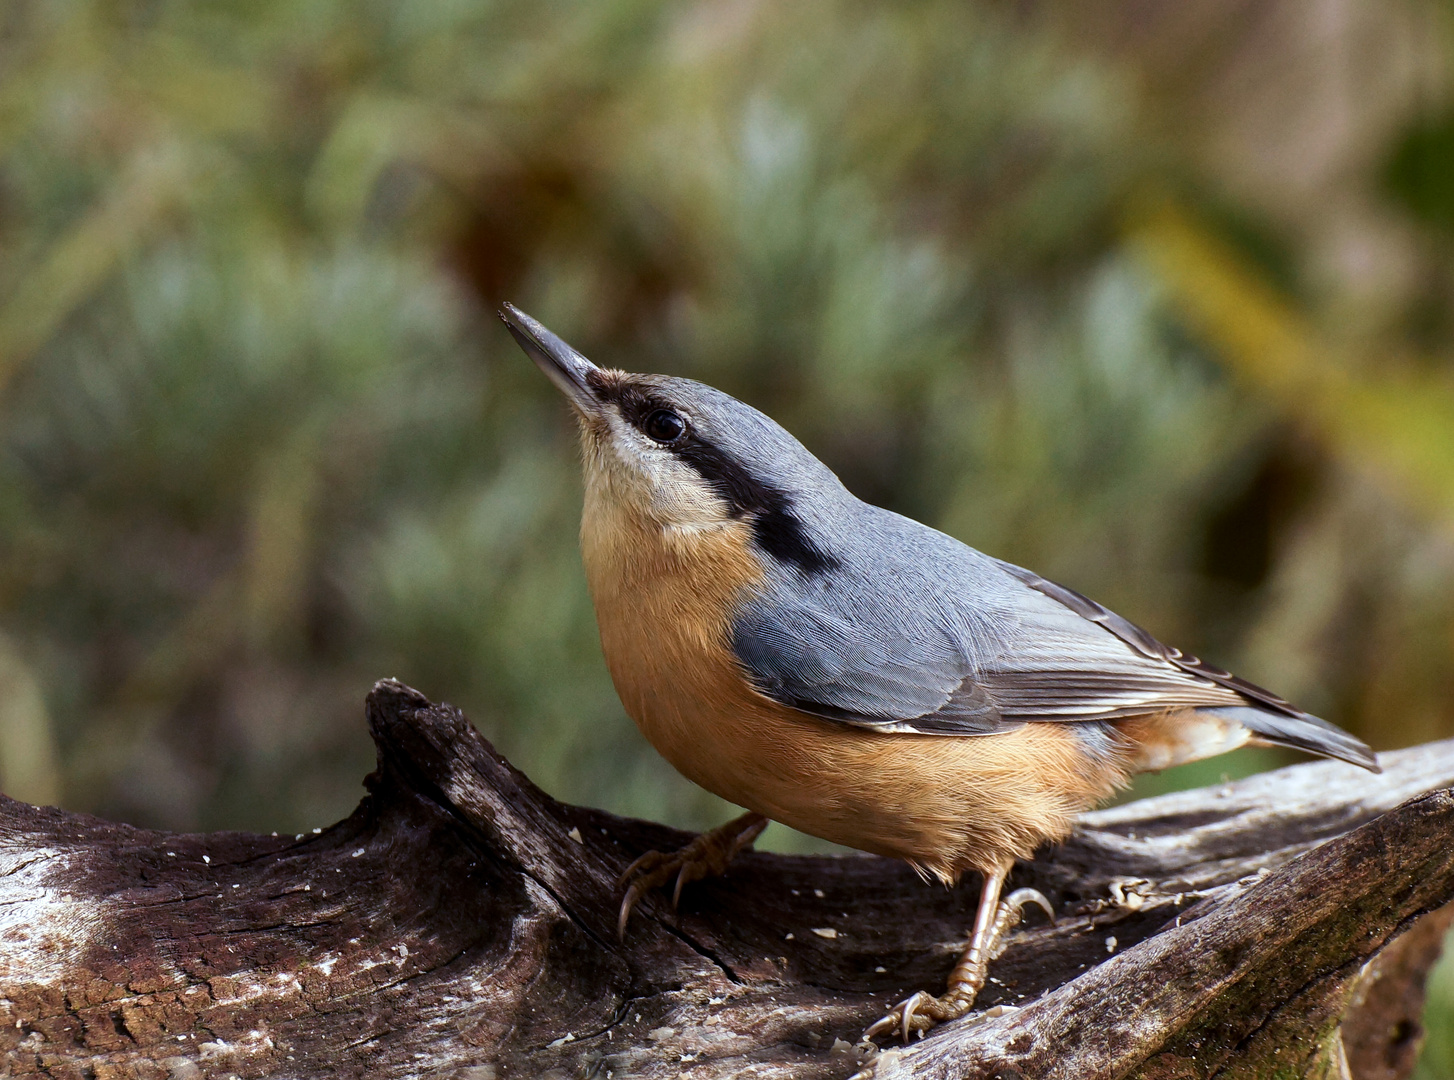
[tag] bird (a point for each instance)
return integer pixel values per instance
(855, 674)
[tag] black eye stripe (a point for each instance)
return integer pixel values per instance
(776, 529)
(635, 404)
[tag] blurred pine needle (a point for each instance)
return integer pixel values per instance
(262, 442)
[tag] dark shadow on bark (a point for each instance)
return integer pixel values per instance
(461, 924)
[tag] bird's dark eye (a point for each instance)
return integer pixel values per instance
(664, 426)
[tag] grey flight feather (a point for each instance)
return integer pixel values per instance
(917, 632)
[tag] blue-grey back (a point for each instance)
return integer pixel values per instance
(869, 618)
(914, 630)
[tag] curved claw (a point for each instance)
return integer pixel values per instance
(694, 871)
(647, 872)
(1017, 900)
(909, 1006)
(901, 1016)
(633, 894)
(1011, 911)
(887, 1022)
(676, 891)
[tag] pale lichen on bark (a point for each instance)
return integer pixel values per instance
(461, 924)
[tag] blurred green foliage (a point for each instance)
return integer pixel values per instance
(1437, 1061)
(1420, 171)
(1051, 281)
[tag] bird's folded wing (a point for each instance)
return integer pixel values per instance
(1270, 719)
(1144, 644)
(1017, 650)
(824, 661)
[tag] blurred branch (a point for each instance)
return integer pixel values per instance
(281, 536)
(374, 132)
(259, 601)
(1383, 414)
(199, 96)
(82, 258)
(28, 767)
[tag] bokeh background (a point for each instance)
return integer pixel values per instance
(1156, 298)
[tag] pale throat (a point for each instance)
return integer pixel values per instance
(643, 493)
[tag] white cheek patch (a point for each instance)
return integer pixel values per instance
(650, 480)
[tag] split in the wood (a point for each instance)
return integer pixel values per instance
(462, 914)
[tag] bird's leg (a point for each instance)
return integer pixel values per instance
(707, 855)
(922, 1011)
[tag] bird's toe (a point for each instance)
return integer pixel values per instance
(919, 1012)
(706, 856)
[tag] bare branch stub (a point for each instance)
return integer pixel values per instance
(460, 923)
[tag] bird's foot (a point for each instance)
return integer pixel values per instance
(919, 1012)
(1011, 911)
(922, 1011)
(706, 856)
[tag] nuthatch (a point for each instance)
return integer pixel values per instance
(855, 674)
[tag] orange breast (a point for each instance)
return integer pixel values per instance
(664, 604)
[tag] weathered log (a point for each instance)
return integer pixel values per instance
(460, 923)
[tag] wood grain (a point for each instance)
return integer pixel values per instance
(460, 924)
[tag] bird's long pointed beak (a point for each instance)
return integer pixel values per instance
(564, 366)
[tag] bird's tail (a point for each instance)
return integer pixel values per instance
(1301, 732)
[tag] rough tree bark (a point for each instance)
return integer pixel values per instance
(460, 924)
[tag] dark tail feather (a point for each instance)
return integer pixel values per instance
(1301, 732)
